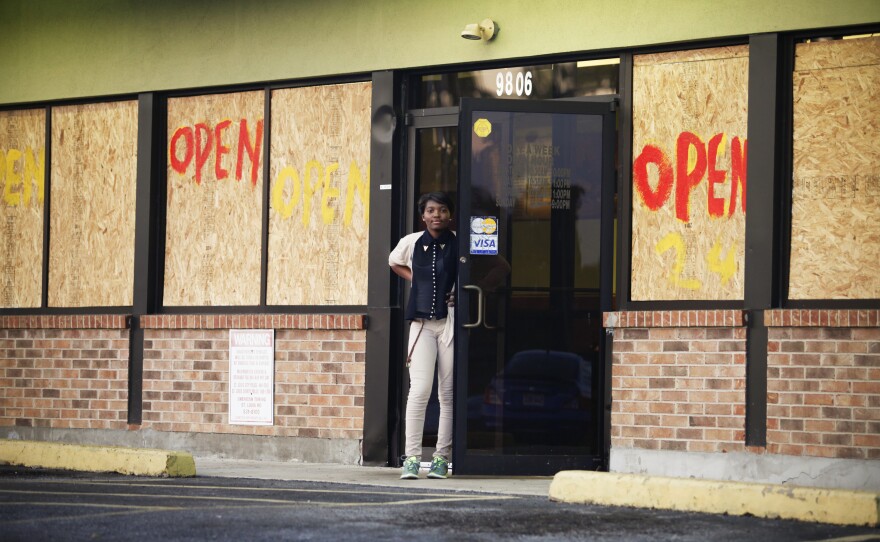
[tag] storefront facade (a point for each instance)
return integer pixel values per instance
(669, 232)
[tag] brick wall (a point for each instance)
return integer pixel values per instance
(678, 380)
(67, 372)
(823, 383)
(71, 372)
(319, 374)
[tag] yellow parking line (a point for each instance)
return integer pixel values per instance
(420, 501)
(89, 504)
(127, 511)
(240, 488)
(854, 538)
(430, 499)
(145, 496)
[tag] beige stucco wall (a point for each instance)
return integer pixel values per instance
(58, 49)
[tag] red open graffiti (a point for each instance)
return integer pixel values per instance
(201, 140)
(685, 178)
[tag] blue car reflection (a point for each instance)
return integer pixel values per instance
(540, 391)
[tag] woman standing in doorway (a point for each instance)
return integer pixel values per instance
(429, 260)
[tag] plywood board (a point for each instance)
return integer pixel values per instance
(835, 232)
(94, 178)
(319, 194)
(22, 177)
(689, 164)
(214, 206)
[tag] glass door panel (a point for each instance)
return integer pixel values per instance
(436, 170)
(535, 208)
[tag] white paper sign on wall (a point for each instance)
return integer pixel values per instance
(251, 376)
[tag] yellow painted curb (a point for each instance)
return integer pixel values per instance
(138, 461)
(837, 506)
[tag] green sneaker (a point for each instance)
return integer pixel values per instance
(410, 469)
(439, 468)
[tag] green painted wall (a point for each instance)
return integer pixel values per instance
(57, 49)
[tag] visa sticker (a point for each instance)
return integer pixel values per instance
(484, 235)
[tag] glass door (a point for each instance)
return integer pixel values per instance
(535, 227)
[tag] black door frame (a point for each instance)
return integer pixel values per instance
(528, 464)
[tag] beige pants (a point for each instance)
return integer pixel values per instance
(428, 350)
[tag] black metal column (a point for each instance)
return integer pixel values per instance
(763, 215)
(384, 320)
(146, 264)
(47, 215)
(624, 186)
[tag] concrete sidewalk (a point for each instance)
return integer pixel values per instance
(842, 507)
(153, 462)
(371, 476)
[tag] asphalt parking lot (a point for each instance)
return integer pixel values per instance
(40, 505)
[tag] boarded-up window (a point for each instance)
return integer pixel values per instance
(214, 210)
(94, 177)
(689, 174)
(319, 218)
(22, 167)
(835, 223)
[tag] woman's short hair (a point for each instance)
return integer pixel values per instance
(437, 197)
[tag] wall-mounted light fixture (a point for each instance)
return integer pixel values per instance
(486, 30)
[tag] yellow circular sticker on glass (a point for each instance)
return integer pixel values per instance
(482, 127)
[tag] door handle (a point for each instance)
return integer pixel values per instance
(479, 305)
(486, 320)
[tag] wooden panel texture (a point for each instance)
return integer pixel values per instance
(689, 174)
(22, 179)
(214, 206)
(319, 218)
(835, 230)
(94, 177)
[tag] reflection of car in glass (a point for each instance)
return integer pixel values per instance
(540, 391)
